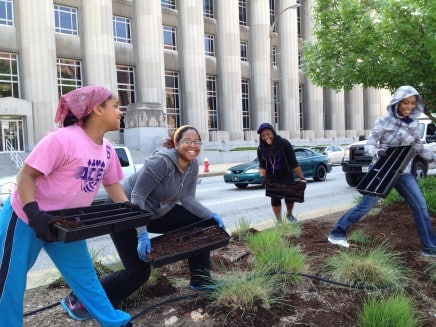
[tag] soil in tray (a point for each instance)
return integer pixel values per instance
(197, 238)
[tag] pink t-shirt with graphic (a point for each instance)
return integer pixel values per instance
(73, 168)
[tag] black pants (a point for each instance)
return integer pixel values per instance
(120, 284)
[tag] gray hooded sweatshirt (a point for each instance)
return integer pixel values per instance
(160, 184)
(393, 130)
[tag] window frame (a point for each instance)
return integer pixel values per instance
(120, 21)
(59, 11)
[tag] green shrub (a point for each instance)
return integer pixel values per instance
(373, 268)
(391, 312)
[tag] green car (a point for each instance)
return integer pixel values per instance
(313, 164)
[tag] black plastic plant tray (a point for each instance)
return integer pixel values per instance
(382, 177)
(85, 222)
(183, 242)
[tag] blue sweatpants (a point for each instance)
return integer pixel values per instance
(19, 249)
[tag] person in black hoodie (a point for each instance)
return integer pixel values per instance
(277, 163)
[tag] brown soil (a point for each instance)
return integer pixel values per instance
(312, 302)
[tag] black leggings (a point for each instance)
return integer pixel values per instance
(275, 202)
(120, 284)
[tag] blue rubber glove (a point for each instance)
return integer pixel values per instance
(218, 219)
(144, 245)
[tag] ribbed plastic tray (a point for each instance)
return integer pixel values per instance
(182, 243)
(85, 222)
(382, 177)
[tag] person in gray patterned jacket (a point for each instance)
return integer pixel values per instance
(398, 127)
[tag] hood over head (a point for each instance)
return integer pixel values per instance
(402, 93)
(265, 126)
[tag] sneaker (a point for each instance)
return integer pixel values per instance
(291, 218)
(74, 308)
(429, 253)
(338, 240)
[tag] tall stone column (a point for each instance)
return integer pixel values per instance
(98, 44)
(313, 114)
(229, 68)
(260, 63)
(288, 64)
(335, 115)
(373, 107)
(150, 67)
(38, 63)
(191, 54)
(354, 116)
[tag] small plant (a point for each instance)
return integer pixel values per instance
(245, 292)
(288, 230)
(373, 268)
(359, 237)
(242, 231)
(430, 269)
(267, 239)
(287, 262)
(391, 312)
(428, 188)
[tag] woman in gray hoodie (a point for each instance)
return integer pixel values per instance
(165, 186)
(398, 127)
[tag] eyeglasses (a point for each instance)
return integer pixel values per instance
(190, 142)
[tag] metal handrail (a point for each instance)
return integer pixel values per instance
(13, 154)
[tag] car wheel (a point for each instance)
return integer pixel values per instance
(321, 173)
(419, 169)
(239, 185)
(353, 179)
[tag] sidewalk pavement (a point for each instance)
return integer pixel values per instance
(215, 169)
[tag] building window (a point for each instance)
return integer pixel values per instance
(242, 12)
(209, 44)
(274, 56)
(276, 102)
(6, 13)
(244, 51)
(245, 94)
(126, 86)
(69, 75)
(299, 20)
(9, 86)
(212, 111)
(300, 105)
(208, 8)
(172, 93)
(170, 4)
(121, 26)
(272, 10)
(169, 36)
(65, 20)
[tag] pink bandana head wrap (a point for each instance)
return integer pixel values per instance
(80, 102)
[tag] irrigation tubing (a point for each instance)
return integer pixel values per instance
(198, 294)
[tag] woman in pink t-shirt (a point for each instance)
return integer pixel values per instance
(64, 171)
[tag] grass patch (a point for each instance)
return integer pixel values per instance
(244, 148)
(360, 237)
(430, 269)
(394, 311)
(288, 230)
(245, 292)
(265, 240)
(373, 268)
(242, 230)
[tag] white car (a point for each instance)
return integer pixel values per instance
(334, 152)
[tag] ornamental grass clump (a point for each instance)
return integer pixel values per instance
(245, 292)
(394, 311)
(242, 230)
(289, 230)
(266, 239)
(373, 268)
(360, 237)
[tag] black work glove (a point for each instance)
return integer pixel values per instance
(381, 153)
(131, 206)
(41, 222)
(263, 180)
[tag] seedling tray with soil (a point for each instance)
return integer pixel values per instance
(85, 222)
(382, 177)
(183, 242)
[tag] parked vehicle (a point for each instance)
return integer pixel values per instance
(313, 164)
(356, 162)
(8, 183)
(334, 152)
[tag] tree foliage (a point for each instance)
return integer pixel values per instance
(373, 43)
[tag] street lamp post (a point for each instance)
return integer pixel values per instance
(278, 16)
